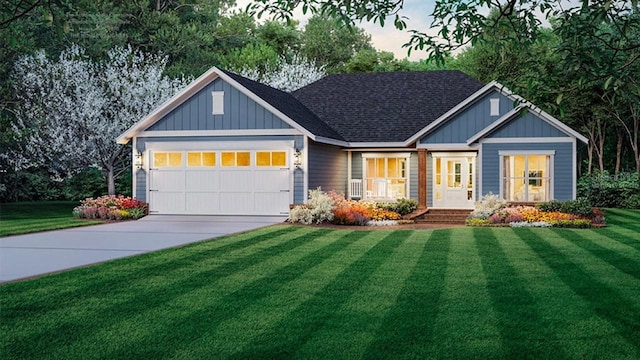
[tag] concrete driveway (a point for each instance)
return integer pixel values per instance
(30, 255)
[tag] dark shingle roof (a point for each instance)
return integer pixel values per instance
(289, 106)
(385, 107)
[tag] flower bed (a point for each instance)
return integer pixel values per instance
(332, 207)
(492, 211)
(111, 207)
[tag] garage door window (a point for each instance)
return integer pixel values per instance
(271, 158)
(236, 158)
(201, 159)
(167, 159)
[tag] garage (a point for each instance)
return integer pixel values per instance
(209, 181)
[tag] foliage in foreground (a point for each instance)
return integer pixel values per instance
(602, 189)
(333, 207)
(493, 211)
(111, 207)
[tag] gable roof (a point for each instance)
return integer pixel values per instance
(281, 104)
(515, 112)
(365, 107)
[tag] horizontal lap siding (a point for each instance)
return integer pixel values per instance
(327, 167)
(469, 122)
(562, 166)
(240, 113)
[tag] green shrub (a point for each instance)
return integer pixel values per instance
(477, 222)
(575, 223)
(581, 207)
(550, 206)
(402, 206)
(605, 190)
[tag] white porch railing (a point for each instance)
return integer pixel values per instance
(355, 189)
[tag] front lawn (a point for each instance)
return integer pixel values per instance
(309, 292)
(28, 217)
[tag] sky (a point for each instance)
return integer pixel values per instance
(388, 38)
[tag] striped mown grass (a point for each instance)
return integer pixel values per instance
(29, 217)
(308, 292)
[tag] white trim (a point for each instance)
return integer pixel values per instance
(329, 141)
(133, 167)
(222, 145)
(455, 146)
(376, 144)
(525, 152)
(305, 174)
(349, 173)
(527, 140)
(494, 125)
(192, 133)
(574, 171)
(479, 194)
(453, 154)
(386, 150)
(385, 155)
(217, 103)
(468, 101)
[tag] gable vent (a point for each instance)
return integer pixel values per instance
(218, 102)
(495, 107)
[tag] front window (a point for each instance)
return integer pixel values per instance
(386, 177)
(526, 177)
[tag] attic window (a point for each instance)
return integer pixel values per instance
(218, 102)
(495, 107)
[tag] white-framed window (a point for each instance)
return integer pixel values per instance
(386, 176)
(526, 176)
(218, 102)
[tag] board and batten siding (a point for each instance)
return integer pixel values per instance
(562, 166)
(240, 112)
(468, 122)
(327, 167)
(528, 125)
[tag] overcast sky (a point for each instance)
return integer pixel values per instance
(387, 38)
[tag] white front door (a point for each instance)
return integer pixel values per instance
(453, 181)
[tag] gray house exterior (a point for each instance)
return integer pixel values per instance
(230, 145)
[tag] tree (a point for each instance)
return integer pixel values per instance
(458, 23)
(286, 75)
(72, 109)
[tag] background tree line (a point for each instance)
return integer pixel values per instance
(582, 67)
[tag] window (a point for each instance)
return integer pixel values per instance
(201, 159)
(167, 159)
(218, 102)
(386, 177)
(526, 177)
(271, 158)
(235, 158)
(495, 107)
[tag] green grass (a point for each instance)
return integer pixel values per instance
(306, 292)
(29, 217)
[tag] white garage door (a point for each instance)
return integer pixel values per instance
(234, 182)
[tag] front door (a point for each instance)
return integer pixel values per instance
(453, 181)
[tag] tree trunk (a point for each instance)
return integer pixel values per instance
(111, 181)
(620, 136)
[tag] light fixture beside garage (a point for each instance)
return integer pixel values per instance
(297, 159)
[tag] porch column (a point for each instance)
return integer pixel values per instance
(422, 178)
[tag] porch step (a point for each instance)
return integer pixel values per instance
(443, 216)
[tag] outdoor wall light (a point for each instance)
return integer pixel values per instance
(137, 160)
(297, 159)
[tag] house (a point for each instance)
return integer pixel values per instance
(230, 145)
